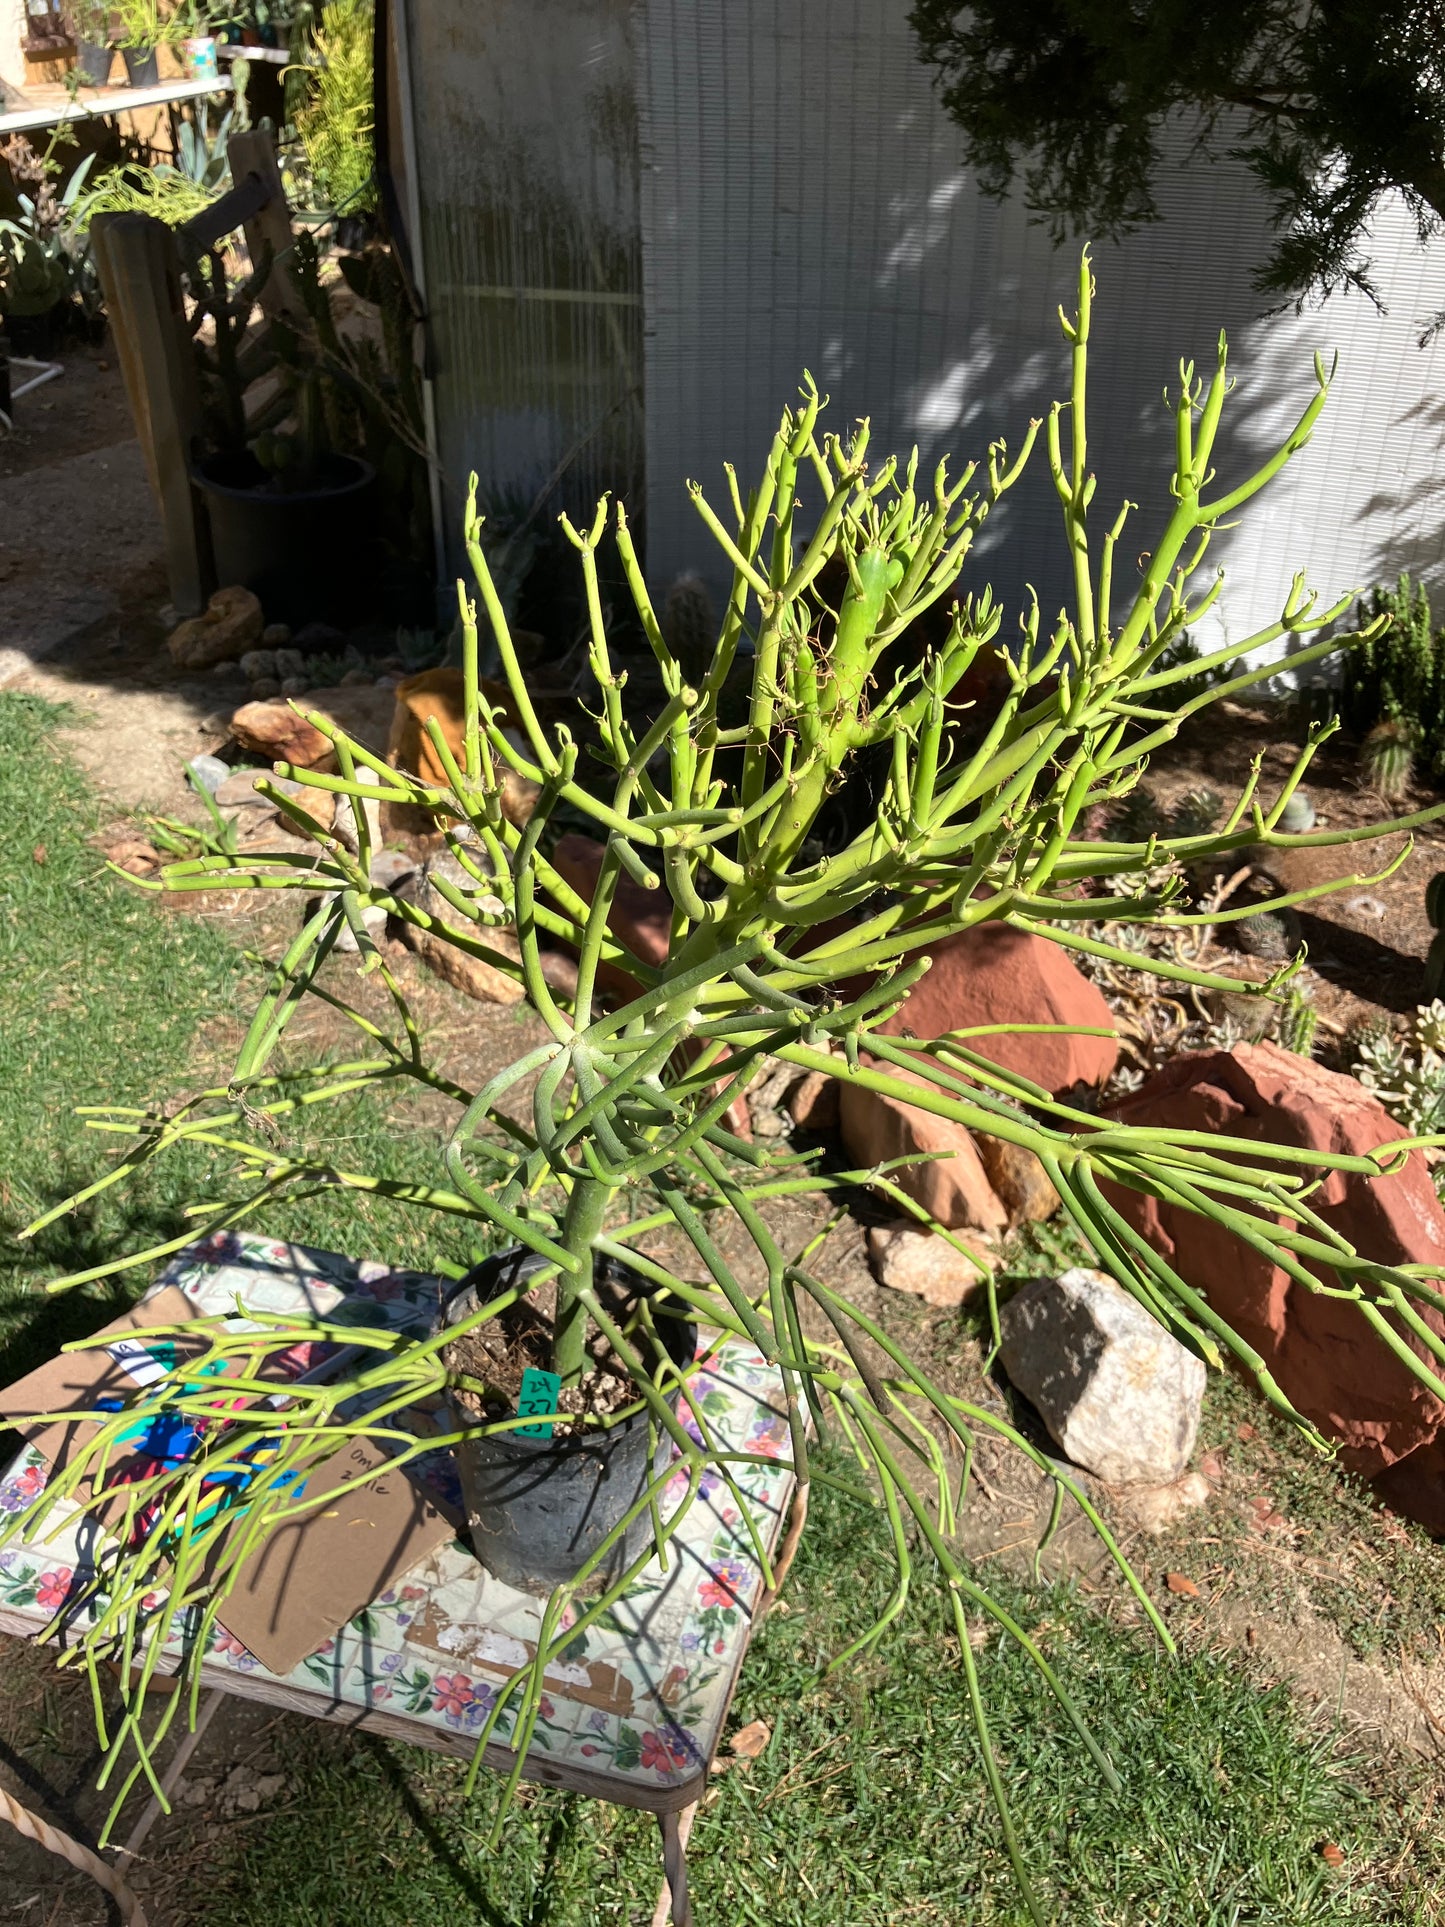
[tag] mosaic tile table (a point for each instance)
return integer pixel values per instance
(633, 1717)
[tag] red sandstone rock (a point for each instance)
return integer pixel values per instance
(994, 975)
(813, 1102)
(640, 919)
(275, 733)
(954, 1190)
(1325, 1357)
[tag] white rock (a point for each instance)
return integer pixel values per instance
(374, 917)
(1117, 1392)
(388, 867)
(210, 771)
(1157, 1507)
(906, 1258)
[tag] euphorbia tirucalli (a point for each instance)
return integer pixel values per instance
(975, 817)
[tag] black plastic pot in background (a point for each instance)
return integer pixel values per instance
(92, 63)
(310, 554)
(538, 1509)
(141, 66)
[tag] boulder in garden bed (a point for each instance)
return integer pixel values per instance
(275, 732)
(1118, 1393)
(909, 1257)
(230, 625)
(473, 976)
(436, 695)
(953, 1189)
(995, 975)
(1320, 1349)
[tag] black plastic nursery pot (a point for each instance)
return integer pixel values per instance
(307, 553)
(92, 63)
(537, 1509)
(141, 66)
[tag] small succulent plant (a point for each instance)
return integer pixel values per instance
(1298, 815)
(1387, 756)
(1272, 935)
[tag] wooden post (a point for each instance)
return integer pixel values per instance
(254, 152)
(139, 275)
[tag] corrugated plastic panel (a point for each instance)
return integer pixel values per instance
(804, 205)
(525, 141)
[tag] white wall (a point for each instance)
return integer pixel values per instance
(804, 204)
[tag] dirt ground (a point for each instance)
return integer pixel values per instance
(83, 621)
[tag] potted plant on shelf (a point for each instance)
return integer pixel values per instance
(776, 951)
(94, 51)
(142, 26)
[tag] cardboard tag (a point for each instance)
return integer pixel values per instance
(540, 1392)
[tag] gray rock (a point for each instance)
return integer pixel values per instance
(257, 664)
(290, 662)
(275, 635)
(1117, 1392)
(210, 772)
(238, 790)
(264, 688)
(293, 685)
(389, 867)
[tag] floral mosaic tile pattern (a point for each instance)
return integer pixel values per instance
(636, 1701)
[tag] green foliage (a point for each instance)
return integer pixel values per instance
(776, 952)
(337, 122)
(1333, 105)
(108, 1002)
(151, 23)
(44, 257)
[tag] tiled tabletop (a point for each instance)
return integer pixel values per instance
(634, 1713)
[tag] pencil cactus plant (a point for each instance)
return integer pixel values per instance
(976, 818)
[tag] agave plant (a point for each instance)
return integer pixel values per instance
(973, 818)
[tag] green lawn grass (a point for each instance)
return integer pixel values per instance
(868, 1805)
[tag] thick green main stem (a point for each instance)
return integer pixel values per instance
(586, 1210)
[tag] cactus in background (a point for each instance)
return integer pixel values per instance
(1435, 911)
(1297, 1023)
(1387, 757)
(689, 624)
(1272, 935)
(1398, 676)
(1298, 815)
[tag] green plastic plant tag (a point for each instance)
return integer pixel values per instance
(540, 1391)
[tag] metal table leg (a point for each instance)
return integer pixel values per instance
(673, 1904)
